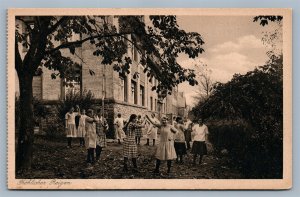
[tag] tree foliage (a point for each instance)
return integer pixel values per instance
(254, 99)
(159, 43)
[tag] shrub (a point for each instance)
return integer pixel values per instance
(258, 156)
(52, 125)
(229, 135)
(39, 112)
(84, 101)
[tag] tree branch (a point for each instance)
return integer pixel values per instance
(57, 24)
(79, 42)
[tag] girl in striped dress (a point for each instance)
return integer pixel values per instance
(139, 133)
(130, 147)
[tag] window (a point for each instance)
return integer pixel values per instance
(142, 95)
(133, 92)
(72, 81)
(122, 93)
(72, 87)
(123, 89)
(151, 103)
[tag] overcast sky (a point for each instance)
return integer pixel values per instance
(232, 45)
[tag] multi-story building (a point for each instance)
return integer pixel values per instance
(125, 95)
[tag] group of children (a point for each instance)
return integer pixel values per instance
(190, 131)
(174, 138)
(90, 128)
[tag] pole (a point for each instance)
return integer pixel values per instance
(103, 89)
(161, 96)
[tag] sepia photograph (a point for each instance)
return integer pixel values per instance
(149, 99)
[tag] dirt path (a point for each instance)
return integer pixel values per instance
(53, 160)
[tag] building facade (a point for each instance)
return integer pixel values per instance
(125, 95)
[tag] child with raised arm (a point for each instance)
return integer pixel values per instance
(139, 132)
(101, 129)
(90, 139)
(165, 149)
(70, 126)
(129, 146)
(152, 129)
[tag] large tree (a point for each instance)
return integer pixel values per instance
(159, 44)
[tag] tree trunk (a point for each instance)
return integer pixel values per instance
(25, 137)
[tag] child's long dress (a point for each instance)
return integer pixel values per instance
(165, 149)
(71, 128)
(101, 124)
(152, 130)
(81, 126)
(90, 128)
(130, 147)
(139, 132)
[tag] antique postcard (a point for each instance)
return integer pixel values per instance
(149, 98)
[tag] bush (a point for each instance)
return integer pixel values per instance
(231, 136)
(39, 112)
(53, 125)
(84, 101)
(257, 98)
(258, 156)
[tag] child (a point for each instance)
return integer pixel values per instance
(101, 129)
(90, 140)
(139, 133)
(165, 149)
(187, 132)
(199, 137)
(70, 125)
(119, 124)
(130, 147)
(152, 129)
(179, 142)
(81, 128)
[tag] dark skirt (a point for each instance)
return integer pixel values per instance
(199, 148)
(180, 148)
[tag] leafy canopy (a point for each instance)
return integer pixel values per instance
(158, 41)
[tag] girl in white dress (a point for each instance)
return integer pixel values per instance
(199, 138)
(165, 149)
(70, 125)
(152, 130)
